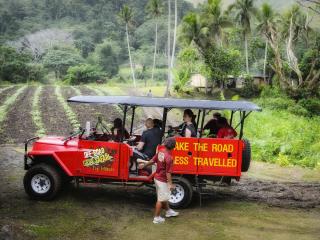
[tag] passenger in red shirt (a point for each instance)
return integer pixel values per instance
(225, 130)
(163, 179)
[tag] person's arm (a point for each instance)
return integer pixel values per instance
(140, 146)
(168, 173)
(149, 163)
(169, 179)
(142, 141)
(187, 133)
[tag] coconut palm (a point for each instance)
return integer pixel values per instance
(174, 32)
(194, 31)
(266, 19)
(155, 8)
(216, 20)
(244, 10)
(126, 14)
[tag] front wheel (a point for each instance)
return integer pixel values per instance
(181, 196)
(42, 182)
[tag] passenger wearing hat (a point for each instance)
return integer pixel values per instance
(163, 179)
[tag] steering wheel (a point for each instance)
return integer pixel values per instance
(104, 128)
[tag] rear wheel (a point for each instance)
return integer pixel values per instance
(181, 196)
(42, 182)
(246, 156)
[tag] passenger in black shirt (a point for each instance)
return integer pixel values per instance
(150, 139)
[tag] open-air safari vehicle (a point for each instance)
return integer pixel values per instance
(86, 157)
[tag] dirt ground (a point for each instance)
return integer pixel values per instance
(257, 207)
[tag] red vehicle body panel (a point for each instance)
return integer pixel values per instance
(100, 159)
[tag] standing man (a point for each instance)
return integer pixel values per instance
(163, 179)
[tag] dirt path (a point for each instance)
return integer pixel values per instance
(52, 113)
(18, 125)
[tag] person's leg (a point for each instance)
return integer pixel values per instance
(158, 209)
(165, 206)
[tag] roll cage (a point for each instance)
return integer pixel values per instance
(204, 107)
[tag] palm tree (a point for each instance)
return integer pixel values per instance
(154, 8)
(194, 31)
(126, 14)
(216, 20)
(174, 32)
(244, 10)
(266, 20)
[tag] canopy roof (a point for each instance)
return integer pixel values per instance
(167, 102)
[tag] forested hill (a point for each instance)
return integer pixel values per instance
(93, 20)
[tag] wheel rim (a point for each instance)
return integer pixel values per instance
(40, 183)
(177, 194)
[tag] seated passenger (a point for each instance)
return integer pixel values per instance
(150, 139)
(212, 125)
(188, 126)
(117, 130)
(225, 130)
(157, 123)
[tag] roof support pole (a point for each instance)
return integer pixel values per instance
(124, 121)
(132, 119)
(202, 121)
(164, 120)
(242, 117)
(231, 118)
(198, 118)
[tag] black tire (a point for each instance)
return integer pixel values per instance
(42, 174)
(184, 200)
(246, 156)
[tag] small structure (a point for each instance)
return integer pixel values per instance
(199, 81)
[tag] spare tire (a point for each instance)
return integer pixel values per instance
(246, 155)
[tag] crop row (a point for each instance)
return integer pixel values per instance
(72, 117)
(8, 102)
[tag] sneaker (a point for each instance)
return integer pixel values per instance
(171, 213)
(159, 219)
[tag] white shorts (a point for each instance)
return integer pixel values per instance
(163, 191)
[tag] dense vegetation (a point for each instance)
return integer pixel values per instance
(84, 35)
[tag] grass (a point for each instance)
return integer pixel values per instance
(8, 102)
(36, 112)
(84, 219)
(72, 117)
(278, 136)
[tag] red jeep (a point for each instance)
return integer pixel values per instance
(87, 157)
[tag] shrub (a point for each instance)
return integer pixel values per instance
(84, 73)
(249, 89)
(312, 105)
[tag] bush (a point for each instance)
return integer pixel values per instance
(298, 110)
(84, 73)
(249, 89)
(279, 103)
(312, 105)
(18, 67)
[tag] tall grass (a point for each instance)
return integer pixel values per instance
(281, 137)
(36, 112)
